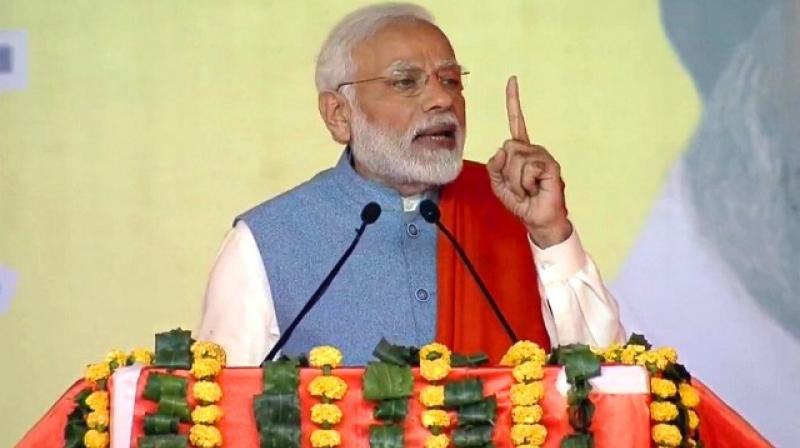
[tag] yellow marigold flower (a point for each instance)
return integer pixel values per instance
(527, 415)
(689, 396)
(434, 370)
(433, 418)
(98, 401)
(523, 351)
(116, 358)
(663, 411)
(205, 436)
(630, 352)
(206, 415)
(95, 439)
(206, 392)
(666, 435)
(97, 420)
(325, 355)
(324, 413)
(97, 372)
(432, 396)
(528, 434)
(694, 420)
(612, 352)
(528, 371)
(669, 354)
(142, 356)
(207, 349)
(331, 387)
(439, 441)
(526, 394)
(206, 368)
(662, 388)
(434, 350)
(325, 438)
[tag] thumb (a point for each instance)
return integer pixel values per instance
(496, 164)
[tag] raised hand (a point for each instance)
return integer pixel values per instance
(527, 179)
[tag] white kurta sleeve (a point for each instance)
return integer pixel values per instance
(238, 311)
(576, 305)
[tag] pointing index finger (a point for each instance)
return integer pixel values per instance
(516, 121)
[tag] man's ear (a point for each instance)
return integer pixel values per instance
(335, 111)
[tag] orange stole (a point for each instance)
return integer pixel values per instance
(497, 243)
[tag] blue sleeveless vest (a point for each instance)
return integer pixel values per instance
(386, 289)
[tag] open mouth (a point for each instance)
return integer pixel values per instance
(442, 135)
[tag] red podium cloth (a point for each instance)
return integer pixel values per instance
(497, 243)
(620, 421)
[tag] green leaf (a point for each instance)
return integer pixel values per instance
(155, 424)
(577, 441)
(80, 400)
(391, 410)
(639, 339)
(460, 393)
(74, 432)
(472, 436)
(276, 409)
(383, 381)
(398, 355)
(280, 436)
(578, 361)
(579, 391)
(473, 360)
(386, 436)
(580, 416)
(482, 412)
(173, 349)
(159, 384)
(677, 373)
(164, 441)
(175, 406)
(281, 377)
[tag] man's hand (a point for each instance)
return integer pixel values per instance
(527, 179)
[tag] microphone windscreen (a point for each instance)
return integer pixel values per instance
(429, 211)
(371, 212)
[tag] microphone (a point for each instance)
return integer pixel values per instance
(430, 212)
(369, 214)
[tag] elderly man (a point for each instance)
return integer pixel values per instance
(390, 90)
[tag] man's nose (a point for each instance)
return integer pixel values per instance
(435, 96)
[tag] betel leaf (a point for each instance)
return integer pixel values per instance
(460, 393)
(276, 409)
(280, 436)
(398, 355)
(579, 391)
(164, 441)
(159, 384)
(155, 424)
(386, 436)
(480, 413)
(383, 381)
(80, 400)
(473, 360)
(578, 361)
(579, 440)
(472, 436)
(677, 373)
(580, 415)
(391, 410)
(174, 406)
(173, 349)
(639, 339)
(281, 377)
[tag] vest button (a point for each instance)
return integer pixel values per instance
(422, 295)
(412, 230)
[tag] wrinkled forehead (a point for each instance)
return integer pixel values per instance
(404, 45)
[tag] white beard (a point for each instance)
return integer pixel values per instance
(394, 157)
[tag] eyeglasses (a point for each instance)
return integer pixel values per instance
(412, 81)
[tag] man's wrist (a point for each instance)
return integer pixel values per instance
(546, 236)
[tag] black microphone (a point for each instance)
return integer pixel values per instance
(430, 212)
(369, 214)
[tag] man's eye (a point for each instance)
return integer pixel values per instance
(404, 83)
(452, 82)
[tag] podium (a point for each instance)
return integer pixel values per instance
(620, 394)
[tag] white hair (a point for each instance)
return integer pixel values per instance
(335, 61)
